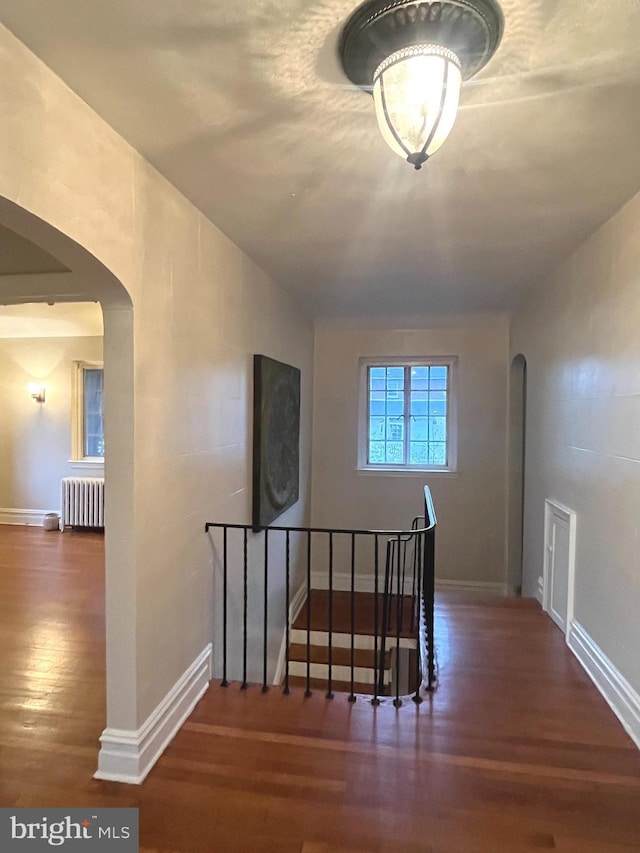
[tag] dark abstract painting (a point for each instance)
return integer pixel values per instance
(276, 439)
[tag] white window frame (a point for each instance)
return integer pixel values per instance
(451, 363)
(77, 413)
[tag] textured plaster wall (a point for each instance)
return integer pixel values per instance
(470, 504)
(579, 334)
(177, 369)
(35, 438)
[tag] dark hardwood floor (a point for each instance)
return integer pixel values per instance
(516, 751)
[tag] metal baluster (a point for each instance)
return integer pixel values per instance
(265, 684)
(388, 584)
(287, 617)
(386, 610)
(404, 569)
(399, 606)
(329, 692)
(352, 696)
(429, 579)
(375, 700)
(225, 575)
(308, 690)
(415, 596)
(418, 569)
(244, 684)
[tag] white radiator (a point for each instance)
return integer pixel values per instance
(82, 502)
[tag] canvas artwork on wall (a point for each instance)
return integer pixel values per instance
(276, 439)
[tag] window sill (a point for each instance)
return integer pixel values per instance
(85, 463)
(405, 472)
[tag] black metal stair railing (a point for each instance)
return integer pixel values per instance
(398, 549)
(258, 572)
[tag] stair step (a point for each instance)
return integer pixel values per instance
(320, 685)
(362, 674)
(364, 613)
(363, 658)
(343, 641)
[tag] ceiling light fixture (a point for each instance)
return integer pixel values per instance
(414, 56)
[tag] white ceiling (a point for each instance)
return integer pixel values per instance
(62, 320)
(243, 107)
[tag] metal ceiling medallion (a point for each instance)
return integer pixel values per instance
(413, 57)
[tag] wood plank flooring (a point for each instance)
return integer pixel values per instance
(516, 751)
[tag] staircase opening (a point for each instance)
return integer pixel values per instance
(353, 608)
(390, 664)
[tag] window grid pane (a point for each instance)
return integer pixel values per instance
(386, 415)
(93, 415)
(416, 435)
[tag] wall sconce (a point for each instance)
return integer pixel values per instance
(36, 390)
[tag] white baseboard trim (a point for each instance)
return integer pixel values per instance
(623, 700)
(295, 606)
(128, 756)
(473, 586)
(363, 583)
(34, 517)
(366, 583)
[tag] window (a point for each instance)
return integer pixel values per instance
(407, 414)
(88, 423)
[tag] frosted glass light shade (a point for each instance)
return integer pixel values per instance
(416, 92)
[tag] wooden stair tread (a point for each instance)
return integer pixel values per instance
(364, 616)
(320, 684)
(340, 657)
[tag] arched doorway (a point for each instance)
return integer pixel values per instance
(517, 449)
(81, 277)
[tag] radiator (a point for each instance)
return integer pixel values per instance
(82, 502)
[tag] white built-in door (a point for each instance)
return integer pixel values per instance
(559, 563)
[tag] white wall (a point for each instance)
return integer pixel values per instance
(35, 438)
(180, 348)
(579, 334)
(470, 504)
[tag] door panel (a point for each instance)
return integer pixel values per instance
(559, 571)
(559, 563)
